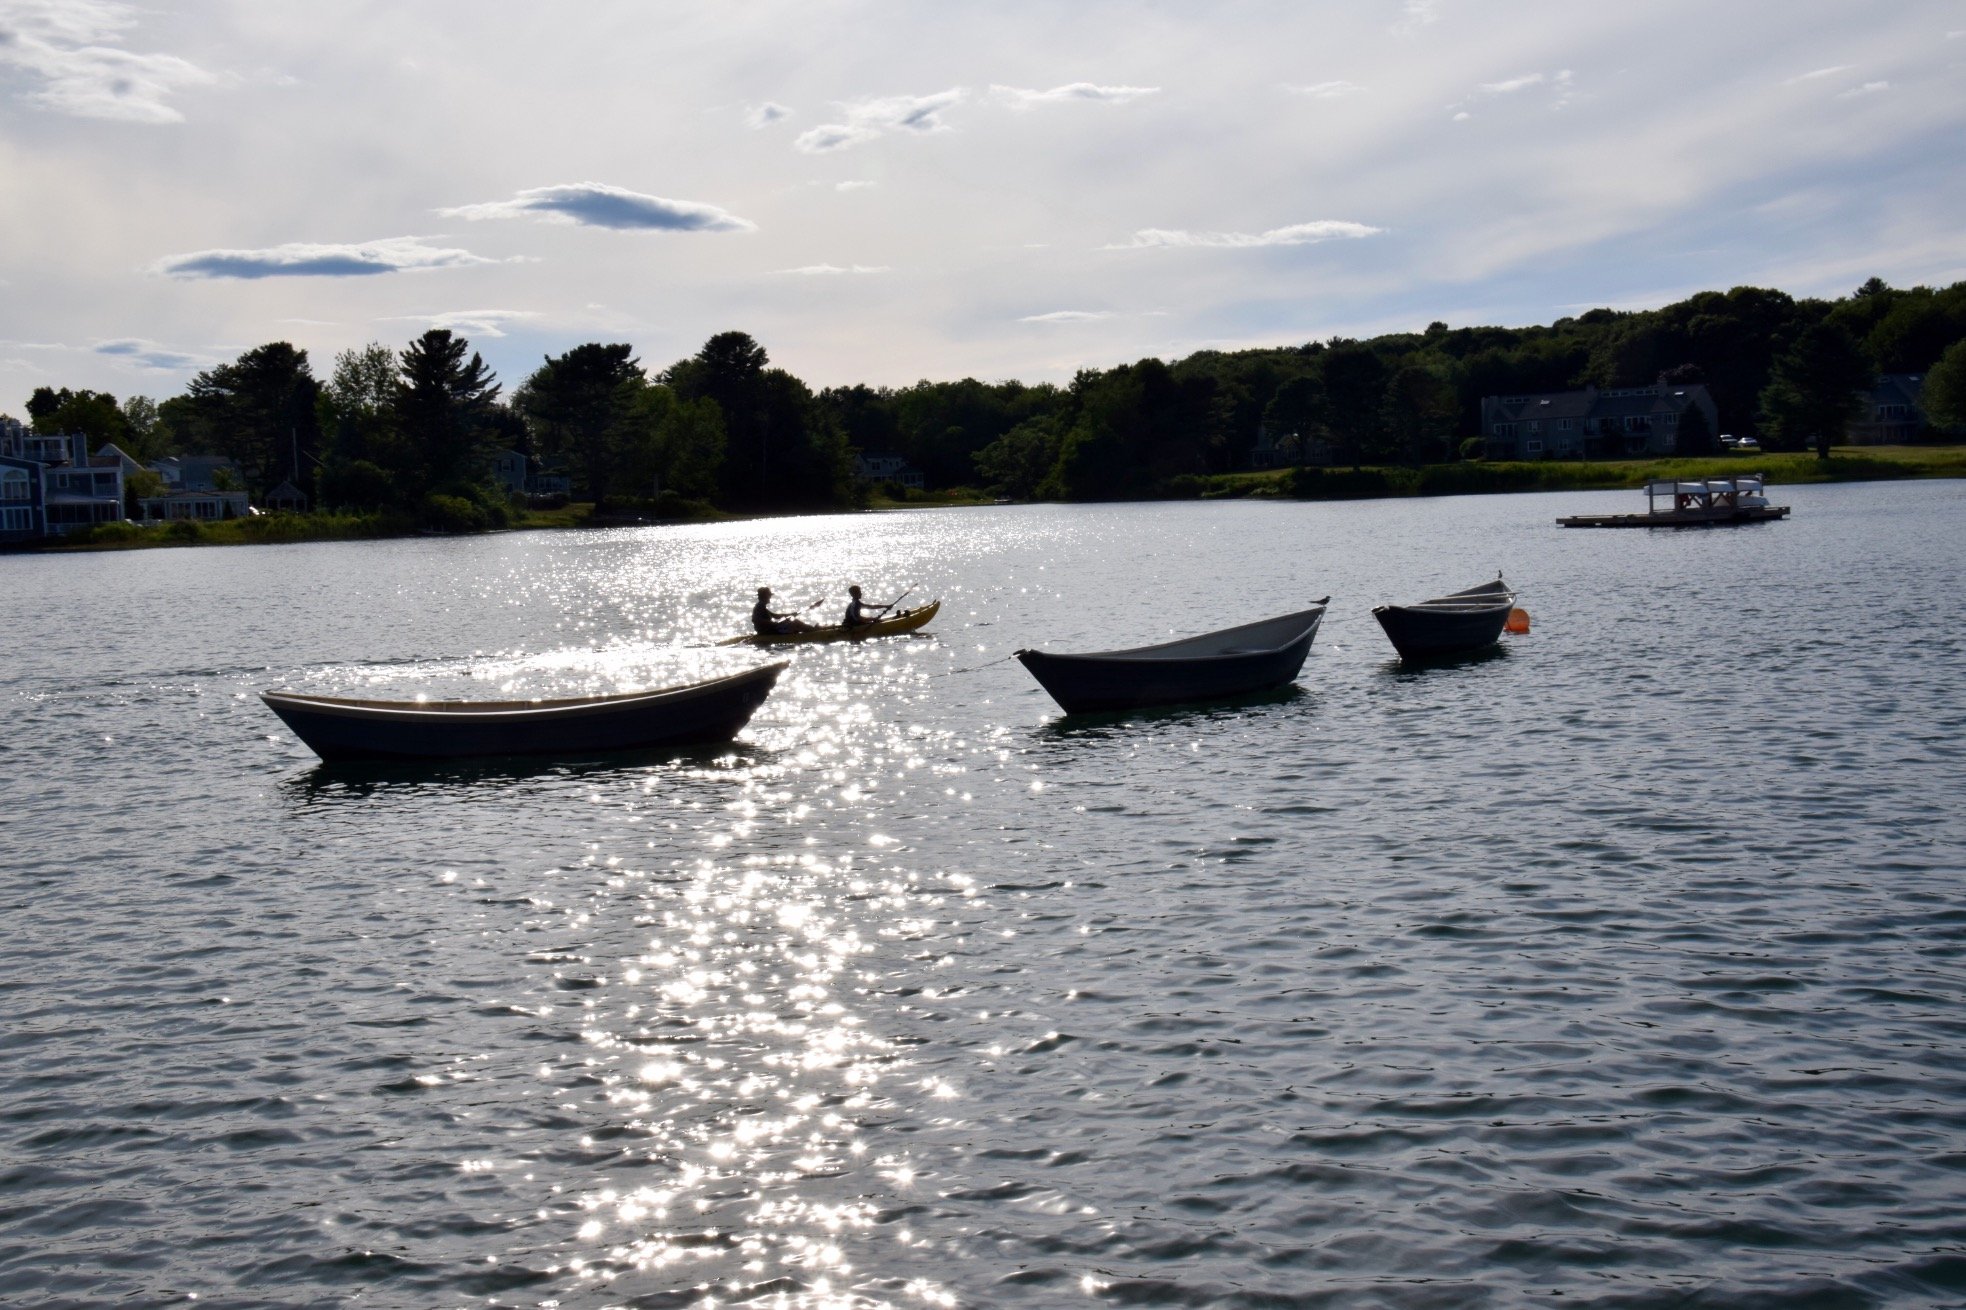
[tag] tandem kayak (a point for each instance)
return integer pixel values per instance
(892, 625)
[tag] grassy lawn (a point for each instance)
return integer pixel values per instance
(940, 499)
(1845, 464)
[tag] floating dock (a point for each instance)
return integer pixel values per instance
(1717, 502)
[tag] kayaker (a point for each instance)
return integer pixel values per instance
(860, 613)
(771, 624)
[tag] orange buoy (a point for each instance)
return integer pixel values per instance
(1518, 621)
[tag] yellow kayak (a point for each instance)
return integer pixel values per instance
(892, 625)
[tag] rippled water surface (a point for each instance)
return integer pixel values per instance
(1622, 967)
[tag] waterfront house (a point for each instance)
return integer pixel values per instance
(519, 475)
(193, 490)
(21, 515)
(65, 487)
(1612, 423)
(287, 499)
(21, 518)
(110, 450)
(82, 492)
(1891, 413)
(204, 505)
(509, 470)
(887, 468)
(1278, 446)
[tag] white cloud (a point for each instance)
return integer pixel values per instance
(1561, 86)
(1326, 90)
(1020, 98)
(1416, 14)
(312, 259)
(476, 322)
(833, 270)
(1867, 89)
(1069, 316)
(150, 355)
(1297, 234)
(766, 114)
(829, 137)
(1512, 85)
(857, 184)
(593, 204)
(868, 119)
(1815, 73)
(71, 47)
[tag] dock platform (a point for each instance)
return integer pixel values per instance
(1716, 502)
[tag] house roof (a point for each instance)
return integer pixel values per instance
(1591, 403)
(1898, 389)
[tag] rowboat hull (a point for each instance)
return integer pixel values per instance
(893, 626)
(1465, 621)
(1234, 662)
(339, 729)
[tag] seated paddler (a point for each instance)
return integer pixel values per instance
(772, 624)
(860, 612)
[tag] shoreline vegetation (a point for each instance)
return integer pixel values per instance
(426, 439)
(1310, 483)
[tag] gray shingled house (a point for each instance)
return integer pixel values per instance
(1613, 423)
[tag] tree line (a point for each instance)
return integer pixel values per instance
(410, 431)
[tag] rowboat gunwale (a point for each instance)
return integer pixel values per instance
(1479, 614)
(1209, 666)
(340, 728)
(355, 707)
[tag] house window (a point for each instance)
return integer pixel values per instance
(1532, 447)
(1669, 420)
(16, 520)
(15, 485)
(1535, 425)
(1563, 425)
(1505, 429)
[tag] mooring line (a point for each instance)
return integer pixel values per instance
(978, 668)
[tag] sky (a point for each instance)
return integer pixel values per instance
(884, 192)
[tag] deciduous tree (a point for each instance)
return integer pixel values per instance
(260, 410)
(1812, 393)
(1944, 396)
(94, 414)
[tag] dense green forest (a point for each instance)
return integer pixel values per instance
(411, 432)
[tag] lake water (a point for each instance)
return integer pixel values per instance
(1625, 967)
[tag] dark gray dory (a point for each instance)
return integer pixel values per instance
(697, 713)
(1455, 624)
(1232, 662)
